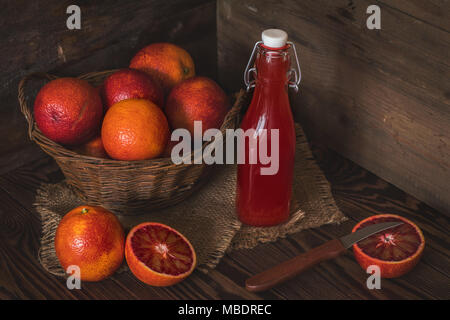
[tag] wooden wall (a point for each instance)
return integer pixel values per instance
(379, 97)
(34, 37)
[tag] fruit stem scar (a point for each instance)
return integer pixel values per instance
(84, 210)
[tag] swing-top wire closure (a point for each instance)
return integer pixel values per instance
(292, 73)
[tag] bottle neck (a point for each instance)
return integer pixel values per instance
(272, 65)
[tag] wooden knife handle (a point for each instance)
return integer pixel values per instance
(290, 268)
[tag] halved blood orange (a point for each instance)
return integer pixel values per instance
(395, 251)
(159, 255)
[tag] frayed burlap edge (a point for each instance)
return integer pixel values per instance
(47, 248)
(50, 221)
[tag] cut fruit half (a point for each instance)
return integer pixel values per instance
(159, 255)
(395, 251)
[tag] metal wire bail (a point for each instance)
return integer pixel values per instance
(251, 83)
(295, 73)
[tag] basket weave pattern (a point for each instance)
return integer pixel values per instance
(124, 187)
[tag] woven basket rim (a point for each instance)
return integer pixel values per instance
(59, 152)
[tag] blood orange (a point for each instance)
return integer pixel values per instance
(68, 111)
(91, 238)
(395, 251)
(159, 255)
(134, 129)
(131, 84)
(165, 62)
(92, 148)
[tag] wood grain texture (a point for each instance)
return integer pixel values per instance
(291, 268)
(34, 38)
(380, 98)
(433, 12)
(358, 193)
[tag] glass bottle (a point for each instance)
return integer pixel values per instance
(264, 188)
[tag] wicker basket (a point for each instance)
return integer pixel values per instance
(125, 187)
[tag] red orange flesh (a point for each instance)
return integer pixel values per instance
(159, 255)
(396, 251)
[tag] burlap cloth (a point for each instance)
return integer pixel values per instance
(208, 217)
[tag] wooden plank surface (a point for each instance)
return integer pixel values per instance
(34, 38)
(358, 194)
(379, 97)
(433, 12)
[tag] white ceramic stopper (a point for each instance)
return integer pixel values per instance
(274, 38)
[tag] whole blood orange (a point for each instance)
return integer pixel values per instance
(395, 251)
(91, 238)
(93, 148)
(68, 111)
(131, 84)
(196, 99)
(166, 62)
(134, 129)
(159, 255)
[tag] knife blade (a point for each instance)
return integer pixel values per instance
(329, 250)
(350, 239)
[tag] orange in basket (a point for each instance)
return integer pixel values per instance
(124, 187)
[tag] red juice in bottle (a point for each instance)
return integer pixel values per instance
(264, 199)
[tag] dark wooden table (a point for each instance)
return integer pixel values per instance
(358, 193)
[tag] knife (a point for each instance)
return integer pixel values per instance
(329, 250)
